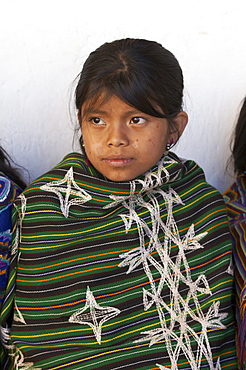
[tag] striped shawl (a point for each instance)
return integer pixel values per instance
(108, 275)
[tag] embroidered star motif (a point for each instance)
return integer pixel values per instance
(134, 258)
(64, 193)
(96, 316)
(149, 299)
(214, 318)
(154, 335)
(191, 240)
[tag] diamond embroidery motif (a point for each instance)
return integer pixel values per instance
(64, 192)
(94, 315)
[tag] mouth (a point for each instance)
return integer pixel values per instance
(118, 161)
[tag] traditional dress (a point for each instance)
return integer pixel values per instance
(131, 275)
(8, 192)
(235, 198)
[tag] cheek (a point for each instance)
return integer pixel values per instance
(88, 139)
(158, 140)
(93, 147)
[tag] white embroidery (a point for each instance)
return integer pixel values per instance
(162, 367)
(174, 271)
(230, 268)
(95, 316)
(71, 189)
(5, 337)
(16, 240)
(21, 365)
(18, 315)
(23, 206)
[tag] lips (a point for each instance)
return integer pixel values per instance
(116, 161)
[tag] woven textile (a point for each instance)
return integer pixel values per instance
(8, 192)
(133, 275)
(235, 198)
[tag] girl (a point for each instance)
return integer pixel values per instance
(11, 185)
(121, 257)
(235, 198)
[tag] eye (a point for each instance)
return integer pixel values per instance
(138, 120)
(97, 120)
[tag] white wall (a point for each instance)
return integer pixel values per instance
(43, 44)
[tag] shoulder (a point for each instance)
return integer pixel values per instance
(189, 167)
(8, 193)
(202, 203)
(235, 199)
(8, 190)
(194, 180)
(65, 171)
(237, 191)
(74, 160)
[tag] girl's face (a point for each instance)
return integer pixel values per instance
(120, 141)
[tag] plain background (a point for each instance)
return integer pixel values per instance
(43, 44)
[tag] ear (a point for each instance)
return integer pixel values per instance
(180, 122)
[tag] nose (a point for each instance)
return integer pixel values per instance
(117, 135)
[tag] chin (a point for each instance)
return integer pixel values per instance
(121, 178)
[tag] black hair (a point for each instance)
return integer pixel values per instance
(239, 142)
(142, 73)
(6, 166)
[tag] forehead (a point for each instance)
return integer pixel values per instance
(106, 103)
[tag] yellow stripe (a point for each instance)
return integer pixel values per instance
(114, 324)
